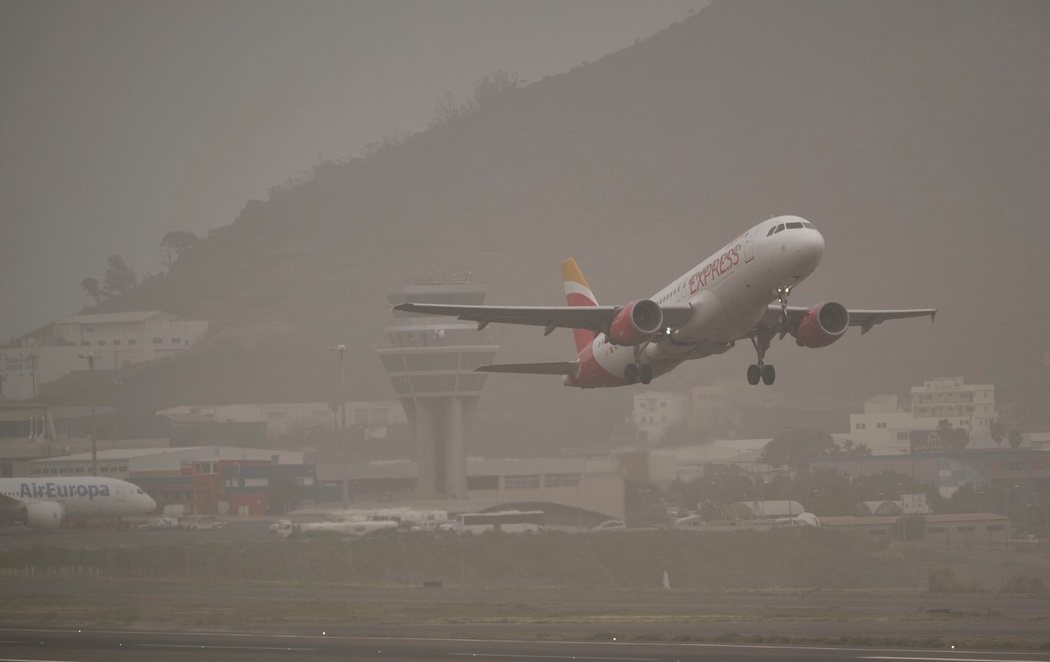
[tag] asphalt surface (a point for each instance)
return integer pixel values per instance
(93, 645)
(98, 537)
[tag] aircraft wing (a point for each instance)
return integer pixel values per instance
(865, 319)
(595, 318)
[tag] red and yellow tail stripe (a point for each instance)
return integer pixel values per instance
(578, 293)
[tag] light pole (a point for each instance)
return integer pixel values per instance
(340, 349)
(32, 366)
(90, 357)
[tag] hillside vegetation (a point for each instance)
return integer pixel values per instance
(908, 132)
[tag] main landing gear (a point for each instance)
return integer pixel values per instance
(635, 372)
(762, 371)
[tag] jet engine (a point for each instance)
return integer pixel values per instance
(822, 325)
(42, 515)
(636, 322)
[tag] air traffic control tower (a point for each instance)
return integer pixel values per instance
(430, 360)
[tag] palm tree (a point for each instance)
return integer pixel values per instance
(92, 288)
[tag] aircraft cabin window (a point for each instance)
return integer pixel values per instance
(794, 226)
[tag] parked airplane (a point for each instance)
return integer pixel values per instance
(740, 292)
(44, 503)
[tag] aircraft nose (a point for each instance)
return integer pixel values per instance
(809, 250)
(150, 503)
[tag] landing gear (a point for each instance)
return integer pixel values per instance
(769, 374)
(782, 297)
(754, 374)
(645, 374)
(638, 373)
(630, 373)
(761, 371)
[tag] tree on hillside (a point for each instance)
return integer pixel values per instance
(175, 244)
(492, 86)
(448, 109)
(1013, 437)
(487, 89)
(850, 448)
(118, 277)
(92, 288)
(796, 447)
(952, 437)
(998, 433)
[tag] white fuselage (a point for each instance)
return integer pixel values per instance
(729, 293)
(81, 498)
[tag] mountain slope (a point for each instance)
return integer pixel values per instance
(913, 134)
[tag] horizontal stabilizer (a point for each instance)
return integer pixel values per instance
(556, 368)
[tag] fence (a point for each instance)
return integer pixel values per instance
(52, 571)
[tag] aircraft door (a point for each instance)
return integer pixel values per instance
(749, 250)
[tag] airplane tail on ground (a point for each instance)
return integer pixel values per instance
(578, 293)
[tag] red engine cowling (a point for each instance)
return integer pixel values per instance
(822, 325)
(636, 322)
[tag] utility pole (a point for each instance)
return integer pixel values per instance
(32, 366)
(340, 349)
(90, 358)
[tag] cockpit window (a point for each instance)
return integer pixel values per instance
(771, 231)
(780, 227)
(794, 226)
(809, 225)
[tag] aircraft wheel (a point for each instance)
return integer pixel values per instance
(645, 374)
(630, 373)
(769, 375)
(754, 374)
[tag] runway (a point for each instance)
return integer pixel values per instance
(58, 645)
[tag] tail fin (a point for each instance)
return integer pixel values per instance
(578, 293)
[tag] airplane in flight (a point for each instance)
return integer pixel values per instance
(740, 292)
(45, 503)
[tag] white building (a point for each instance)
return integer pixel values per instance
(283, 418)
(657, 412)
(118, 339)
(122, 463)
(969, 406)
(885, 426)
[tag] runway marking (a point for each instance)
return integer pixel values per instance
(557, 657)
(648, 644)
(233, 648)
(940, 659)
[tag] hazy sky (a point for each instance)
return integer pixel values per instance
(120, 121)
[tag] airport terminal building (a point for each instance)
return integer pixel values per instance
(596, 485)
(202, 480)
